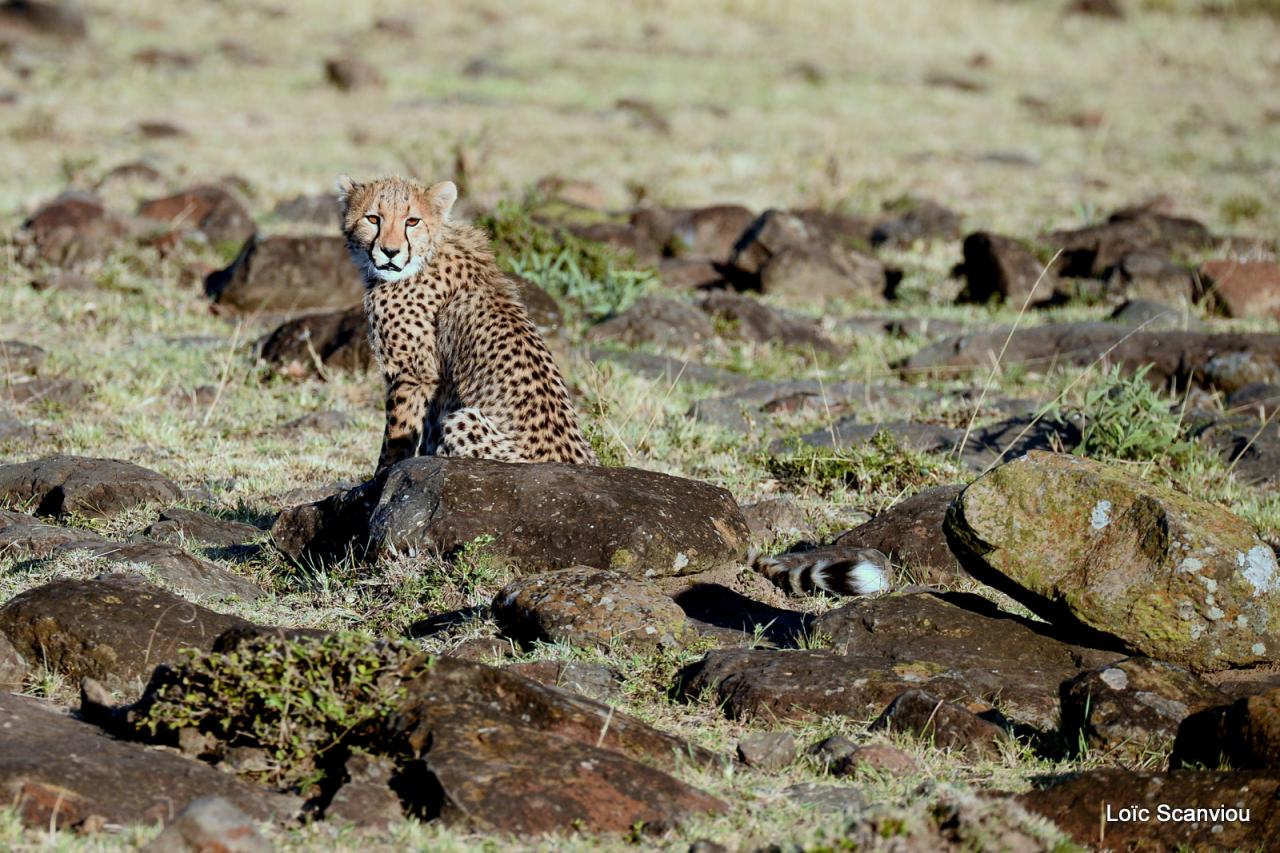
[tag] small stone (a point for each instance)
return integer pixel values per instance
(943, 725)
(828, 799)
(831, 752)
(878, 757)
(768, 750)
(209, 824)
(349, 74)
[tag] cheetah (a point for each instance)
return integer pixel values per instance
(466, 372)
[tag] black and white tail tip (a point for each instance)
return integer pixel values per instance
(835, 570)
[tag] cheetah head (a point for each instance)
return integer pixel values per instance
(393, 225)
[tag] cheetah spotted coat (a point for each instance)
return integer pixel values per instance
(466, 372)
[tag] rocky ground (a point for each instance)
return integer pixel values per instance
(1042, 392)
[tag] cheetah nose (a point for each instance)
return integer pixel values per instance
(390, 253)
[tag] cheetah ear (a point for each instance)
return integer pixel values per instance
(345, 187)
(442, 196)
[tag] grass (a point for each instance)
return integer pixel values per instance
(769, 105)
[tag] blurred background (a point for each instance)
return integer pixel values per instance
(1022, 114)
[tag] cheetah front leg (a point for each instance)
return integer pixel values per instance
(407, 398)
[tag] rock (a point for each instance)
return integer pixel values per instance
(686, 274)
(808, 260)
(1252, 449)
(589, 607)
(670, 370)
(43, 390)
(58, 772)
(593, 680)
(96, 488)
(1078, 806)
(771, 751)
(883, 646)
(322, 210)
(1084, 544)
(754, 321)
(17, 357)
(115, 628)
(878, 758)
(1241, 288)
(830, 752)
(349, 74)
(1150, 275)
(21, 535)
(1095, 250)
(1221, 361)
(921, 219)
(177, 525)
(13, 667)
(794, 272)
(1256, 398)
(368, 797)
(210, 823)
(654, 320)
(64, 21)
(211, 210)
(1001, 269)
(707, 233)
(829, 799)
(542, 516)
(1129, 710)
(1157, 316)
(287, 274)
(73, 227)
(773, 517)
(1244, 735)
(547, 759)
(1096, 8)
(989, 446)
(910, 534)
(943, 725)
(330, 340)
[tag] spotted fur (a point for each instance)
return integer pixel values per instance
(839, 570)
(466, 371)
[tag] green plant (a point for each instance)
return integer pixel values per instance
(1128, 420)
(880, 465)
(300, 700)
(598, 280)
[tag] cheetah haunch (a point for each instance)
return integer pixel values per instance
(467, 373)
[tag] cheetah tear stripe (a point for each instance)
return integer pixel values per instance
(839, 571)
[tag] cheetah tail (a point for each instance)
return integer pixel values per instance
(836, 570)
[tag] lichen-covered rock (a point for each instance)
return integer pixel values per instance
(1130, 709)
(1081, 543)
(115, 628)
(594, 607)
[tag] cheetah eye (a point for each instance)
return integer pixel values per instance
(412, 222)
(375, 220)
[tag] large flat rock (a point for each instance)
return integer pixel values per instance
(540, 516)
(57, 772)
(96, 488)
